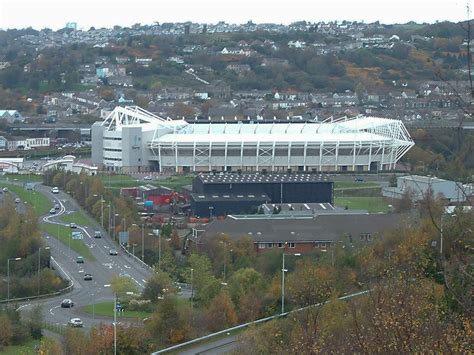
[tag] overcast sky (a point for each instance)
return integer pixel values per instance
(107, 13)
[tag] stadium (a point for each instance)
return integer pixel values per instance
(131, 139)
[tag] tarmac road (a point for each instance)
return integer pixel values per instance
(102, 269)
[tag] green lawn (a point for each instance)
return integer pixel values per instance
(371, 204)
(63, 233)
(23, 177)
(76, 217)
(175, 182)
(119, 181)
(339, 185)
(40, 203)
(107, 309)
(25, 349)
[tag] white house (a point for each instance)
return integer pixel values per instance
(11, 116)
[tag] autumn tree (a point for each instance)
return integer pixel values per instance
(159, 285)
(206, 286)
(221, 312)
(49, 346)
(122, 285)
(170, 324)
(6, 331)
(310, 284)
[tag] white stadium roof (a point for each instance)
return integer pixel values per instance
(265, 137)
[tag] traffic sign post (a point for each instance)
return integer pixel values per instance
(77, 235)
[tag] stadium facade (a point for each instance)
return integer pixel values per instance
(132, 139)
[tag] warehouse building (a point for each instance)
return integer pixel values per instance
(419, 186)
(132, 139)
(223, 194)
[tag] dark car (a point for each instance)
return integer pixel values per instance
(67, 303)
(87, 277)
(80, 260)
(358, 179)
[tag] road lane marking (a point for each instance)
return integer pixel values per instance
(51, 310)
(23, 306)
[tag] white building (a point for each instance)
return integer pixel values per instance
(69, 163)
(11, 165)
(11, 116)
(28, 143)
(419, 186)
(133, 139)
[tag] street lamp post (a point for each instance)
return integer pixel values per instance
(39, 267)
(115, 317)
(133, 248)
(441, 230)
(159, 249)
(115, 320)
(143, 242)
(101, 209)
(192, 289)
(225, 259)
(8, 277)
(109, 207)
(115, 221)
(115, 324)
(283, 270)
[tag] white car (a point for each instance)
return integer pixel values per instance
(75, 322)
(55, 190)
(148, 177)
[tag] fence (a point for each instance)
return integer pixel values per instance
(137, 259)
(258, 321)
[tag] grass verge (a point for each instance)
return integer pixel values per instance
(119, 181)
(77, 217)
(106, 309)
(339, 185)
(371, 204)
(24, 177)
(40, 203)
(63, 234)
(25, 349)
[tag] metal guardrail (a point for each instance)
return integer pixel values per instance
(46, 295)
(258, 321)
(137, 259)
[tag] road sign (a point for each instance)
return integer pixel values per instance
(76, 235)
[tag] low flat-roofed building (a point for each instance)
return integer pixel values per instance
(418, 186)
(301, 234)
